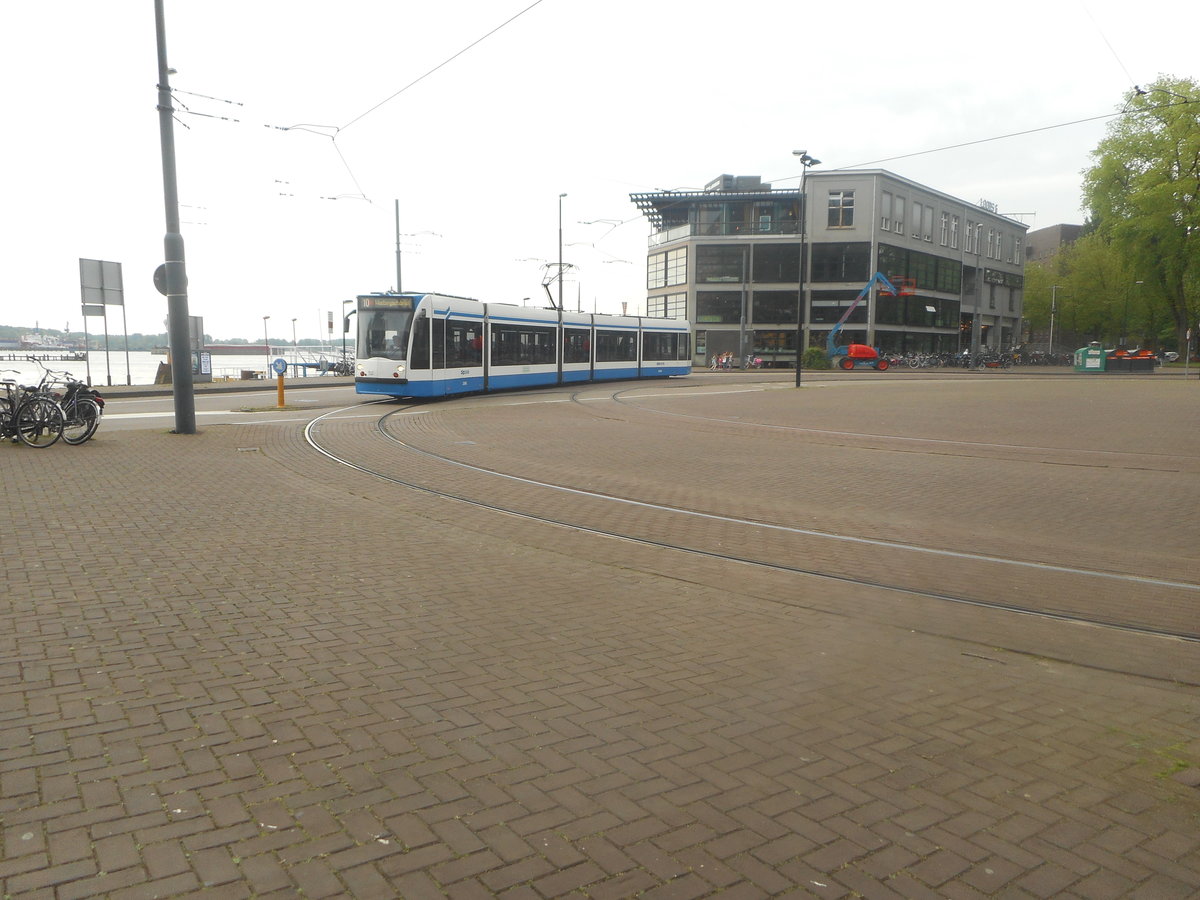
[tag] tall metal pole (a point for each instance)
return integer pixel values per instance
(267, 342)
(344, 302)
(977, 319)
(1053, 310)
(802, 223)
(179, 339)
(400, 288)
(560, 246)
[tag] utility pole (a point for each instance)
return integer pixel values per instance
(179, 337)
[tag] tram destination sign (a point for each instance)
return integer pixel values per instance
(372, 302)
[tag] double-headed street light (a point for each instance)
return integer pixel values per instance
(806, 162)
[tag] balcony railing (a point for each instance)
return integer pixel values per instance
(766, 225)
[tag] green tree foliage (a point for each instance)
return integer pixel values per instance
(1143, 195)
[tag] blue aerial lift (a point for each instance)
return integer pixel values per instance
(861, 356)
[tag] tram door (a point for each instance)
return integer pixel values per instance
(438, 361)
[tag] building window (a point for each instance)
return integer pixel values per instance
(927, 224)
(885, 211)
(841, 262)
(774, 307)
(719, 307)
(978, 235)
(656, 271)
(841, 209)
(717, 263)
(944, 238)
(771, 344)
(667, 306)
(916, 220)
(991, 242)
(899, 215)
(677, 266)
(954, 232)
(776, 264)
(1017, 251)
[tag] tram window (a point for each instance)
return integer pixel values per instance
(577, 345)
(522, 345)
(420, 344)
(385, 333)
(464, 344)
(659, 346)
(616, 346)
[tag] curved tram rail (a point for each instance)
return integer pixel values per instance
(1009, 584)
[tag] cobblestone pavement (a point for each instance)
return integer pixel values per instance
(230, 667)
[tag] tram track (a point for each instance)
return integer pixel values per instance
(988, 581)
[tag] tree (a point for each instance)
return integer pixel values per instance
(1143, 195)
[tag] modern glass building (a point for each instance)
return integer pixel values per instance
(728, 259)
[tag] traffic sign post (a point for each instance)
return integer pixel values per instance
(279, 365)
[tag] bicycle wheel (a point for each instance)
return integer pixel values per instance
(82, 418)
(39, 422)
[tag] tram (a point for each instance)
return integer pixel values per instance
(434, 345)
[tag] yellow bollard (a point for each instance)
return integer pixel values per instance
(280, 381)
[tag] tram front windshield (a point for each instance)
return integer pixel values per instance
(384, 333)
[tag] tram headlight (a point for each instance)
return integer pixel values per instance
(399, 373)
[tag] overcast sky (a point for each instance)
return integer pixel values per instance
(592, 99)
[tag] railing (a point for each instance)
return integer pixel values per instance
(723, 229)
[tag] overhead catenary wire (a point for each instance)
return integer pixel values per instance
(1001, 137)
(442, 64)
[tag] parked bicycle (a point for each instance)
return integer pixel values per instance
(28, 416)
(82, 406)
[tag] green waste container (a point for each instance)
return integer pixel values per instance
(1091, 358)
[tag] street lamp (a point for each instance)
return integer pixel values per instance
(346, 324)
(267, 344)
(560, 248)
(1053, 310)
(802, 219)
(295, 350)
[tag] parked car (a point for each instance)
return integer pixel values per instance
(1170, 356)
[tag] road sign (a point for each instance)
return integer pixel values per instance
(279, 365)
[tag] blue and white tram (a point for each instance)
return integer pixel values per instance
(433, 345)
